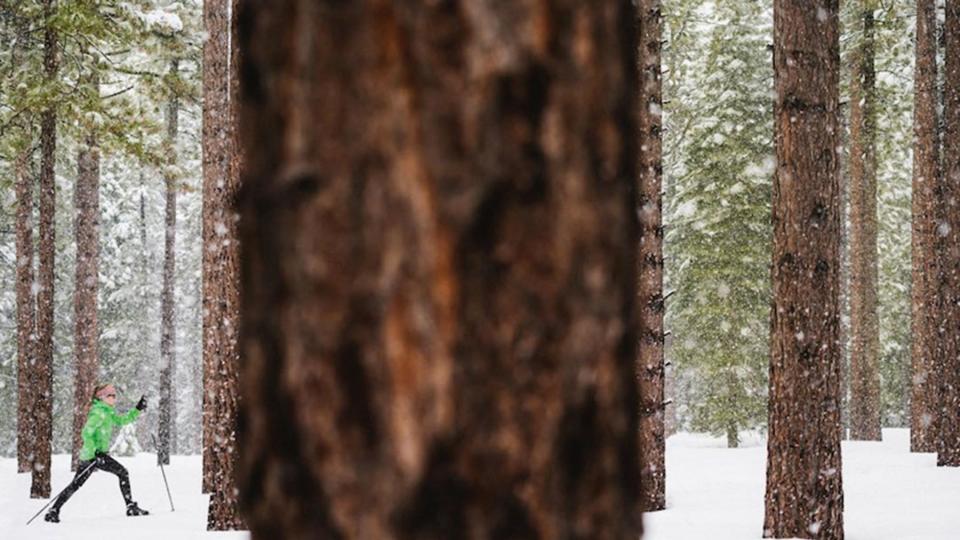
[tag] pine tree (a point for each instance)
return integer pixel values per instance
(166, 436)
(927, 191)
(41, 378)
(719, 227)
(87, 234)
(439, 272)
(221, 294)
(804, 496)
(948, 444)
(26, 306)
(650, 361)
(864, 328)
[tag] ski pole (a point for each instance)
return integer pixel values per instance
(157, 448)
(88, 467)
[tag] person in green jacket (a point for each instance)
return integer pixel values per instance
(96, 435)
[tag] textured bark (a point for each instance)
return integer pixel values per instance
(222, 280)
(216, 163)
(26, 308)
(948, 448)
(864, 320)
(928, 190)
(804, 497)
(168, 337)
(86, 227)
(650, 365)
(439, 235)
(41, 383)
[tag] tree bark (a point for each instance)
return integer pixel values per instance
(804, 497)
(928, 190)
(168, 336)
(26, 308)
(948, 448)
(42, 374)
(221, 274)
(864, 321)
(86, 227)
(439, 239)
(216, 163)
(650, 365)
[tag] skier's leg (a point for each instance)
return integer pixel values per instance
(113, 466)
(84, 470)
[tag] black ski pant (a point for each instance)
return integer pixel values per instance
(102, 462)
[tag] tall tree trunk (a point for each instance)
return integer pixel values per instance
(26, 308)
(216, 163)
(439, 236)
(650, 365)
(864, 322)
(87, 233)
(168, 336)
(42, 376)
(948, 449)
(221, 271)
(928, 189)
(804, 497)
(146, 365)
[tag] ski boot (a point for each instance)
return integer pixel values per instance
(53, 516)
(134, 510)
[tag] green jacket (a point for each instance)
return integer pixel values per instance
(98, 430)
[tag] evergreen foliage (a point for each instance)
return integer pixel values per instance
(718, 238)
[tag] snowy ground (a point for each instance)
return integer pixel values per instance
(716, 493)
(96, 512)
(713, 493)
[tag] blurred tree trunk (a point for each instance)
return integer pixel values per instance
(650, 365)
(928, 190)
(41, 383)
(221, 271)
(26, 307)
(804, 497)
(864, 322)
(168, 337)
(86, 227)
(439, 235)
(948, 448)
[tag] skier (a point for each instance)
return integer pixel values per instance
(96, 436)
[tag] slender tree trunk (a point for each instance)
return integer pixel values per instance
(26, 307)
(439, 236)
(146, 365)
(168, 336)
(221, 274)
(216, 163)
(650, 368)
(928, 189)
(86, 228)
(42, 376)
(804, 497)
(864, 322)
(948, 448)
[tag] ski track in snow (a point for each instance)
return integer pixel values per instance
(713, 493)
(717, 493)
(97, 512)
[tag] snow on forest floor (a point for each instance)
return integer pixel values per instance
(97, 512)
(713, 493)
(889, 494)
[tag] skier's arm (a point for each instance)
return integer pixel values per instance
(124, 419)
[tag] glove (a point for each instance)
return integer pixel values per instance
(142, 404)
